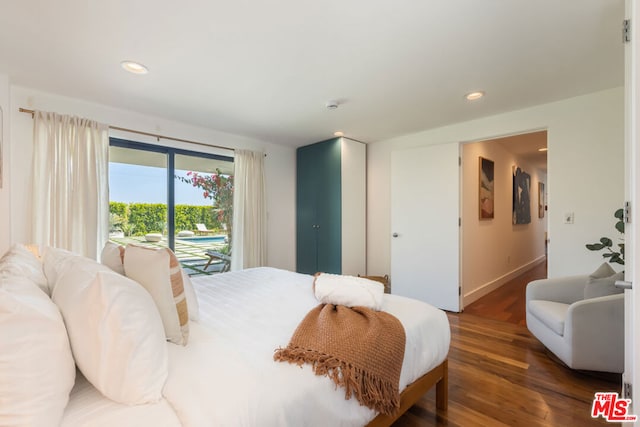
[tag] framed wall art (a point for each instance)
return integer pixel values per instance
(521, 196)
(486, 188)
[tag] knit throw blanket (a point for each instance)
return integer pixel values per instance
(358, 348)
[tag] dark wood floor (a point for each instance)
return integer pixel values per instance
(507, 302)
(500, 375)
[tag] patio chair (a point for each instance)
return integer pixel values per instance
(202, 229)
(215, 255)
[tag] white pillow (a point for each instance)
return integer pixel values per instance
(113, 257)
(159, 272)
(115, 331)
(37, 370)
(20, 261)
(54, 260)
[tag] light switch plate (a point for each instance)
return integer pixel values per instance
(568, 218)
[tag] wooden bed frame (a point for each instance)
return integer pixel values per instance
(438, 376)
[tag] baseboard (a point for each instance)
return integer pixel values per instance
(495, 284)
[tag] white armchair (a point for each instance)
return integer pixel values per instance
(585, 334)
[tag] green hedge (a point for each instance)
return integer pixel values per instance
(147, 217)
(142, 218)
(118, 208)
(187, 216)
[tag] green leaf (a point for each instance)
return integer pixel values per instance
(619, 213)
(606, 241)
(615, 257)
(607, 255)
(595, 246)
(620, 226)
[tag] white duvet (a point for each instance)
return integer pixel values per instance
(226, 375)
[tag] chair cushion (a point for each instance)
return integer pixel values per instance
(603, 271)
(550, 313)
(600, 287)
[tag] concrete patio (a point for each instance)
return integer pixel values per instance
(190, 253)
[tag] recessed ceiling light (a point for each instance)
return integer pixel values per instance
(474, 95)
(134, 67)
(543, 149)
(338, 133)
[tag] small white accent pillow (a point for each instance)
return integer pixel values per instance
(115, 331)
(20, 261)
(159, 272)
(37, 371)
(113, 257)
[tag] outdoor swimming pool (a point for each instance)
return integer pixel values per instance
(203, 239)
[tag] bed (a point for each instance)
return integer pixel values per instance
(244, 317)
(226, 374)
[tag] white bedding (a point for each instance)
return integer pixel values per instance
(87, 407)
(226, 375)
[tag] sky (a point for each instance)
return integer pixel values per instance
(132, 183)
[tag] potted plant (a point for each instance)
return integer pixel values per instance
(606, 244)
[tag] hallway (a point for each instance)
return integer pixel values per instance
(507, 303)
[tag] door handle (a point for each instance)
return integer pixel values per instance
(623, 284)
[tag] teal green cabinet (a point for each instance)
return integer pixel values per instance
(330, 207)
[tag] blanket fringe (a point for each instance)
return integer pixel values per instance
(371, 391)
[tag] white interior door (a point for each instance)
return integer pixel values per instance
(425, 242)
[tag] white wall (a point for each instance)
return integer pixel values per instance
(279, 165)
(5, 217)
(495, 250)
(585, 173)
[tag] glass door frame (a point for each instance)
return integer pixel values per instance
(171, 152)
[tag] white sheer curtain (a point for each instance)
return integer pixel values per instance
(70, 183)
(249, 239)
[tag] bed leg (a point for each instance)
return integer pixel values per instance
(442, 388)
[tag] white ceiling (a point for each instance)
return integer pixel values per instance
(527, 147)
(266, 69)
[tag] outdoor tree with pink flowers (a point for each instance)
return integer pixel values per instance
(219, 188)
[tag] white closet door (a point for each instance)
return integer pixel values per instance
(425, 242)
(631, 373)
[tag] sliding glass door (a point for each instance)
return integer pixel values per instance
(162, 196)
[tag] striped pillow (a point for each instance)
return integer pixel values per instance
(159, 272)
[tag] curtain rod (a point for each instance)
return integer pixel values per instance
(155, 135)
